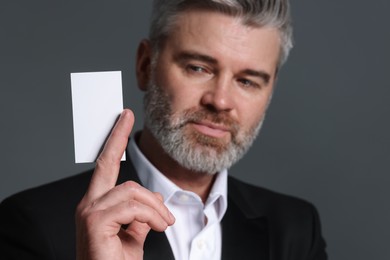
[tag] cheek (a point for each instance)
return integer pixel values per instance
(183, 100)
(252, 113)
(180, 99)
(182, 94)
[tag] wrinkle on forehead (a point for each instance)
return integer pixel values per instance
(221, 35)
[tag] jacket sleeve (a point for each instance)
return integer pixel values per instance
(22, 236)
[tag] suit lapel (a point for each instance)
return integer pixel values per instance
(127, 172)
(157, 247)
(244, 231)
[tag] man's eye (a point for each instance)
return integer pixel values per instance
(196, 69)
(247, 83)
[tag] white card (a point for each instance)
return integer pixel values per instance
(96, 102)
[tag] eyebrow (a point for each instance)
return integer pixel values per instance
(188, 55)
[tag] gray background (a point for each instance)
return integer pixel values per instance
(326, 137)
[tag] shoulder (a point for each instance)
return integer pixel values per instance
(259, 198)
(54, 194)
(292, 222)
(48, 200)
(31, 221)
(281, 210)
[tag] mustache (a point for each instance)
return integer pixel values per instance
(194, 115)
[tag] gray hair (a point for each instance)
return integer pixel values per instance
(256, 13)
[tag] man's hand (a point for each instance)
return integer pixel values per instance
(112, 221)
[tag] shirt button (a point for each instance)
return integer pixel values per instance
(183, 198)
(200, 244)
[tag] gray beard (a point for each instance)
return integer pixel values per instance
(194, 151)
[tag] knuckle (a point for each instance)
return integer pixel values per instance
(100, 162)
(104, 163)
(131, 185)
(159, 196)
(133, 205)
(85, 209)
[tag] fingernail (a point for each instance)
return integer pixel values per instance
(171, 217)
(123, 114)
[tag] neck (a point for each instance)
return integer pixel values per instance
(197, 182)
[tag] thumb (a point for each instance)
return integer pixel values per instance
(138, 232)
(133, 239)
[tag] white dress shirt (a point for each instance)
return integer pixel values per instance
(196, 234)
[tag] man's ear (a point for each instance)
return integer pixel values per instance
(143, 64)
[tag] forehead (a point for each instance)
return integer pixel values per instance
(223, 36)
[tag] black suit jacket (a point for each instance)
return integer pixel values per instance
(259, 224)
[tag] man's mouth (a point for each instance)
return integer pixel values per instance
(211, 129)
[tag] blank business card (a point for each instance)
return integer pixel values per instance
(96, 102)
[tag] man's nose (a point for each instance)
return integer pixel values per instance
(219, 96)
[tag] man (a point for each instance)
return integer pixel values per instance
(208, 71)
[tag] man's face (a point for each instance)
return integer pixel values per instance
(210, 87)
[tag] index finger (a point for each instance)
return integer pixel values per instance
(108, 163)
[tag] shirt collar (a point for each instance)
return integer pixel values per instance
(155, 181)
